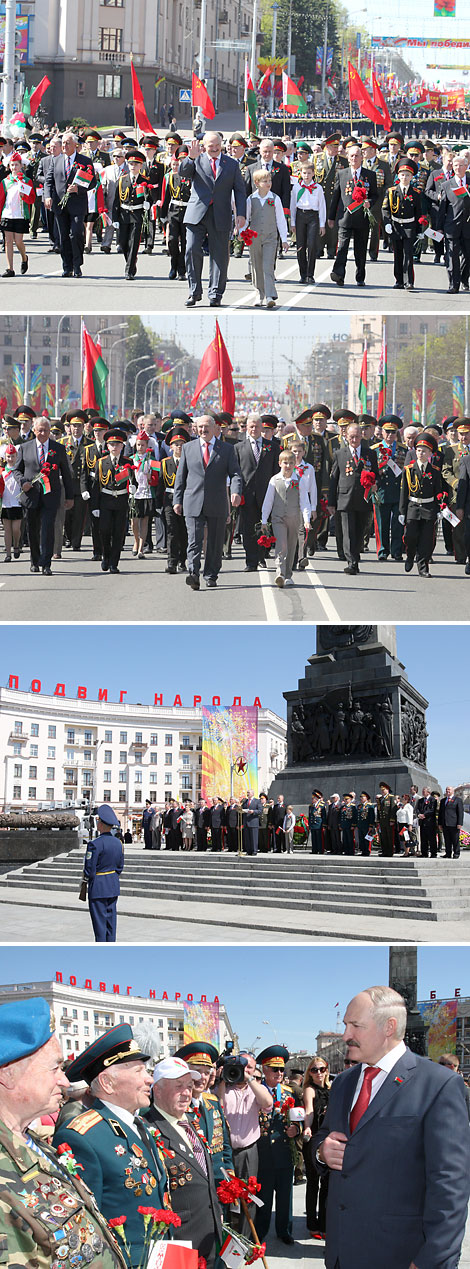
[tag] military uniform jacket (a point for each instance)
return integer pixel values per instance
(75, 451)
(316, 455)
(154, 174)
(343, 197)
(365, 816)
(212, 1120)
(43, 1208)
(386, 811)
(192, 1193)
(462, 502)
(273, 1124)
(348, 817)
(121, 1167)
(130, 196)
(451, 464)
(166, 484)
(402, 209)
(419, 490)
(383, 173)
(326, 173)
(316, 815)
(176, 194)
(89, 472)
(113, 481)
(104, 862)
(346, 492)
(387, 482)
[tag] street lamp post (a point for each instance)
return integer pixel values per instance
(57, 347)
(139, 373)
(274, 8)
(122, 340)
(133, 362)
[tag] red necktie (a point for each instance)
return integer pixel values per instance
(43, 455)
(363, 1100)
(214, 168)
(356, 460)
(207, 454)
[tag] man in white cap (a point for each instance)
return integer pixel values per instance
(192, 1186)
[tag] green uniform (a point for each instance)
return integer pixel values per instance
(48, 1218)
(451, 460)
(275, 1167)
(214, 1126)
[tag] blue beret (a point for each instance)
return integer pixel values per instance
(25, 1025)
(107, 815)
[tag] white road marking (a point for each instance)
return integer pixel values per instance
(267, 591)
(326, 603)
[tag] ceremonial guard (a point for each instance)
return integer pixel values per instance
(402, 214)
(387, 819)
(45, 1202)
(327, 166)
(451, 472)
(89, 482)
(154, 172)
(348, 822)
(275, 1158)
(317, 822)
(391, 454)
(384, 180)
(119, 1159)
(175, 195)
(176, 532)
(113, 477)
(365, 822)
(131, 202)
(206, 1109)
(104, 862)
(421, 485)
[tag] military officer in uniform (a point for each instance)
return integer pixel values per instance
(176, 532)
(206, 1109)
(104, 862)
(89, 483)
(110, 1140)
(390, 449)
(44, 1204)
(153, 171)
(421, 484)
(402, 212)
(348, 822)
(75, 446)
(311, 425)
(365, 821)
(451, 470)
(131, 200)
(113, 475)
(387, 819)
(317, 822)
(275, 1159)
(384, 180)
(327, 165)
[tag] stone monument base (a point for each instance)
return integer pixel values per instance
(298, 782)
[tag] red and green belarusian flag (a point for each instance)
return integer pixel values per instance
(265, 79)
(95, 374)
(382, 374)
(250, 103)
(292, 101)
(362, 389)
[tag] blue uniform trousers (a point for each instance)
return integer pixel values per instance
(103, 919)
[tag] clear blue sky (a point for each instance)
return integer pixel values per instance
(294, 989)
(247, 660)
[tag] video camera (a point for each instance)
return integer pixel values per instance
(233, 1068)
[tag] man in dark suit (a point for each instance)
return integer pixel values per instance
(42, 498)
(278, 812)
(189, 1166)
(382, 172)
(200, 495)
(427, 811)
(348, 203)
(258, 459)
(251, 809)
(60, 181)
(453, 219)
(215, 178)
(280, 174)
(462, 501)
(347, 492)
(396, 1146)
(450, 818)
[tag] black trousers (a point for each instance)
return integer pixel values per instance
(307, 236)
(316, 1193)
(250, 514)
(419, 542)
(177, 244)
(113, 520)
(176, 537)
(201, 838)
(250, 840)
(458, 260)
(130, 229)
(359, 237)
(451, 841)
(428, 839)
(232, 843)
(41, 523)
(216, 836)
(214, 545)
(392, 531)
(75, 521)
(352, 523)
(403, 260)
(245, 1164)
(71, 238)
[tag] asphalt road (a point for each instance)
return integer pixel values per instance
(102, 284)
(79, 591)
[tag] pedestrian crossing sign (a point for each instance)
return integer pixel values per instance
(185, 95)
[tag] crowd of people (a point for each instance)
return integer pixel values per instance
(216, 195)
(203, 1134)
(189, 488)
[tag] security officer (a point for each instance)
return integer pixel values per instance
(421, 485)
(120, 1160)
(317, 821)
(276, 1164)
(348, 822)
(389, 449)
(131, 200)
(43, 1204)
(365, 821)
(206, 1109)
(75, 446)
(327, 166)
(104, 862)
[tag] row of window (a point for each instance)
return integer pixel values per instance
(49, 794)
(71, 733)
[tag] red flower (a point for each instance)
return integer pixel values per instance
(258, 1251)
(424, 221)
(64, 1148)
(266, 541)
(201, 1262)
(117, 1220)
(367, 479)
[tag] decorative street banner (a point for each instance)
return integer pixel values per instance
(457, 395)
(201, 1022)
(416, 399)
(229, 751)
(17, 385)
(35, 388)
(444, 8)
(441, 1018)
(319, 60)
(405, 41)
(329, 60)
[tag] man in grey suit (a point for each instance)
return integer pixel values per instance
(42, 504)
(215, 177)
(206, 466)
(251, 811)
(396, 1143)
(70, 219)
(257, 457)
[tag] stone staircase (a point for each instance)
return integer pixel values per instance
(415, 889)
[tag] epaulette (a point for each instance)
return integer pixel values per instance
(207, 1096)
(84, 1122)
(90, 460)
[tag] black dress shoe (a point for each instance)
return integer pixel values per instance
(77, 273)
(47, 572)
(360, 283)
(399, 286)
(172, 274)
(215, 303)
(251, 568)
(192, 300)
(467, 568)
(34, 568)
(113, 569)
(408, 565)
(193, 581)
(67, 273)
(452, 290)
(352, 569)
(105, 566)
(287, 1240)
(210, 581)
(170, 570)
(95, 557)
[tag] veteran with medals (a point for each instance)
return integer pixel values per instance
(111, 1141)
(206, 1109)
(275, 1158)
(45, 1203)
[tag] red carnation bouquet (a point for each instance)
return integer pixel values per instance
(247, 235)
(322, 509)
(234, 1188)
(360, 196)
(367, 479)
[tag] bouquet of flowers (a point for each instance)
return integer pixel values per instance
(247, 235)
(266, 537)
(237, 1249)
(234, 1188)
(360, 196)
(367, 480)
(156, 1224)
(300, 830)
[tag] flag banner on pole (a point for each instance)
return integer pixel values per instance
(200, 98)
(329, 60)
(37, 94)
(50, 397)
(416, 399)
(216, 364)
(141, 117)
(25, 103)
(440, 1017)
(358, 92)
(292, 101)
(265, 78)
(379, 101)
(229, 751)
(319, 60)
(457, 395)
(17, 385)
(250, 102)
(201, 1022)
(35, 388)
(95, 374)
(382, 376)
(362, 389)
(431, 416)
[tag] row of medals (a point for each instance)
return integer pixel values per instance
(77, 1239)
(143, 1182)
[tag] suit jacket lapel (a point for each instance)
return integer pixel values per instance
(403, 1070)
(214, 450)
(176, 1143)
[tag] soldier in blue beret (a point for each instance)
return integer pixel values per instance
(104, 862)
(44, 1205)
(120, 1158)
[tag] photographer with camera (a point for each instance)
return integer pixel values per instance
(242, 1097)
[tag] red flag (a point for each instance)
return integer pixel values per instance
(380, 102)
(201, 98)
(37, 95)
(216, 364)
(358, 92)
(141, 119)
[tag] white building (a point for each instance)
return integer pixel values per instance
(57, 749)
(82, 1014)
